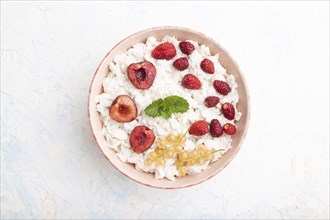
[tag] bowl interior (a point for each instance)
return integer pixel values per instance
(128, 169)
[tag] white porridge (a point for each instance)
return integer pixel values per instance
(167, 82)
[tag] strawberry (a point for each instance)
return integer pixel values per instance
(215, 128)
(207, 66)
(186, 47)
(211, 101)
(164, 51)
(228, 111)
(181, 64)
(229, 129)
(191, 81)
(221, 87)
(141, 139)
(199, 128)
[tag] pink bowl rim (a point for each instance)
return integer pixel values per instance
(243, 82)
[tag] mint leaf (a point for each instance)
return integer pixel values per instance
(165, 114)
(165, 108)
(177, 104)
(154, 109)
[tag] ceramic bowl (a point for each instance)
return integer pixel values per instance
(128, 169)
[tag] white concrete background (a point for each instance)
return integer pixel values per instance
(50, 166)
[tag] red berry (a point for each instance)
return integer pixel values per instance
(199, 128)
(141, 138)
(211, 101)
(190, 81)
(229, 129)
(123, 109)
(221, 87)
(141, 74)
(181, 64)
(186, 47)
(215, 128)
(164, 51)
(207, 66)
(228, 111)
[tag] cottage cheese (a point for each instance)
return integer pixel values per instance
(167, 82)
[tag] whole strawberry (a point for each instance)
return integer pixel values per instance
(164, 51)
(229, 129)
(181, 63)
(228, 111)
(207, 66)
(186, 47)
(191, 81)
(211, 101)
(221, 87)
(215, 128)
(199, 128)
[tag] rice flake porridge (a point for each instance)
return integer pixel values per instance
(168, 107)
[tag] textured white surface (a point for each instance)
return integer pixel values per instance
(50, 166)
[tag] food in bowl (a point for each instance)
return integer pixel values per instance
(168, 107)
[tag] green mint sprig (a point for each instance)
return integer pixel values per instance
(166, 107)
